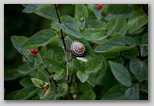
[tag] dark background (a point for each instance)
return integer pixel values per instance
(21, 24)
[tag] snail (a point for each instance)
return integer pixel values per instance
(77, 48)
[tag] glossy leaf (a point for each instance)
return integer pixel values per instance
(110, 26)
(39, 83)
(144, 39)
(62, 89)
(44, 10)
(24, 69)
(95, 36)
(17, 42)
(77, 65)
(42, 76)
(88, 95)
(121, 27)
(139, 69)
(121, 73)
(11, 95)
(26, 82)
(69, 26)
(47, 11)
(99, 37)
(97, 12)
(137, 20)
(93, 65)
(131, 53)
(49, 54)
(116, 45)
(81, 11)
(41, 38)
(82, 76)
(56, 65)
(26, 93)
(82, 59)
(119, 9)
(132, 93)
(30, 8)
(92, 79)
(97, 24)
(117, 92)
(59, 75)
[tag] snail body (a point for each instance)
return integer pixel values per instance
(77, 48)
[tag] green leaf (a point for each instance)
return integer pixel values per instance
(69, 26)
(133, 92)
(48, 95)
(99, 37)
(144, 39)
(88, 95)
(55, 65)
(121, 27)
(97, 24)
(47, 11)
(10, 74)
(26, 82)
(42, 76)
(62, 89)
(123, 9)
(82, 76)
(11, 95)
(144, 50)
(117, 92)
(44, 10)
(81, 11)
(77, 65)
(41, 38)
(117, 44)
(121, 73)
(34, 61)
(48, 54)
(137, 20)
(17, 42)
(93, 65)
(97, 12)
(82, 59)
(110, 26)
(26, 93)
(59, 75)
(92, 79)
(130, 54)
(30, 8)
(139, 69)
(24, 69)
(39, 83)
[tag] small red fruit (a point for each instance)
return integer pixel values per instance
(45, 89)
(99, 6)
(33, 51)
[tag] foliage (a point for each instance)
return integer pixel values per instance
(115, 66)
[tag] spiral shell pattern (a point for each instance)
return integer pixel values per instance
(77, 48)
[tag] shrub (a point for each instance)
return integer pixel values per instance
(113, 67)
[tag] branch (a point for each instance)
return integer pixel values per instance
(65, 51)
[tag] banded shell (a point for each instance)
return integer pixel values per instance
(77, 48)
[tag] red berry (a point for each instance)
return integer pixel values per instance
(33, 51)
(45, 89)
(99, 6)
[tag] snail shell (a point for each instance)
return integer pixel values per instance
(77, 48)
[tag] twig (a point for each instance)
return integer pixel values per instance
(65, 51)
(76, 87)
